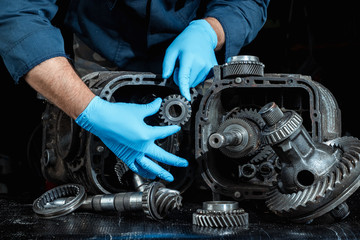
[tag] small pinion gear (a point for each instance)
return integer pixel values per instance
(175, 110)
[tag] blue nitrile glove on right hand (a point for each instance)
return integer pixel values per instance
(122, 129)
(194, 51)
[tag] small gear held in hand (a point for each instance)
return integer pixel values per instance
(175, 110)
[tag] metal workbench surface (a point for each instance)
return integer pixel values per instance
(18, 221)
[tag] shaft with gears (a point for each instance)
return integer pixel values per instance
(156, 201)
(236, 137)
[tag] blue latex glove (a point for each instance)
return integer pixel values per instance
(194, 51)
(122, 129)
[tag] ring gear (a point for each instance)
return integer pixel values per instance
(326, 194)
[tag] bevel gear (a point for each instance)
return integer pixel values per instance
(327, 193)
(158, 201)
(175, 110)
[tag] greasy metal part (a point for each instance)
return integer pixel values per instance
(120, 169)
(140, 183)
(230, 136)
(223, 206)
(279, 125)
(73, 155)
(156, 201)
(304, 162)
(220, 214)
(236, 138)
(59, 201)
(316, 178)
(175, 110)
(340, 212)
(241, 97)
(243, 65)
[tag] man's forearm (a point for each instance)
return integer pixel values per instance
(57, 81)
(215, 24)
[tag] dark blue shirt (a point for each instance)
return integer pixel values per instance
(123, 31)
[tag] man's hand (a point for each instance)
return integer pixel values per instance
(122, 129)
(194, 51)
(119, 125)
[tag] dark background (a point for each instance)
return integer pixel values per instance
(317, 38)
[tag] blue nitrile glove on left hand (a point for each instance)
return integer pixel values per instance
(194, 51)
(122, 129)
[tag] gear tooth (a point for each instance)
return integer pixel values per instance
(120, 169)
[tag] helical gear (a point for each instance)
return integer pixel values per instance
(243, 65)
(76, 193)
(329, 192)
(158, 201)
(175, 110)
(220, 218)
(120, 169)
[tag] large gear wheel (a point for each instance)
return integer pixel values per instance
(175, 110)
(328, 193)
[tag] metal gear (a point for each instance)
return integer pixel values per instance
(158, 201)
(263, 155)
(280, 125)
(328, 193)
(220, 214)
(243, 65)
(248, 139)
(175, 110)
(252, 115)
(45, 206)
(120, 169)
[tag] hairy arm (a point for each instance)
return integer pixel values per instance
(57, 81)
(215, 24)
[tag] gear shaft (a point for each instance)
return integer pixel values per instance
(156, 201)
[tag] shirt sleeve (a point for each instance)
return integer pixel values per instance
(240, 19)
(27, 36)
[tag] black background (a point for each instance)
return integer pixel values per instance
(317, 38)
